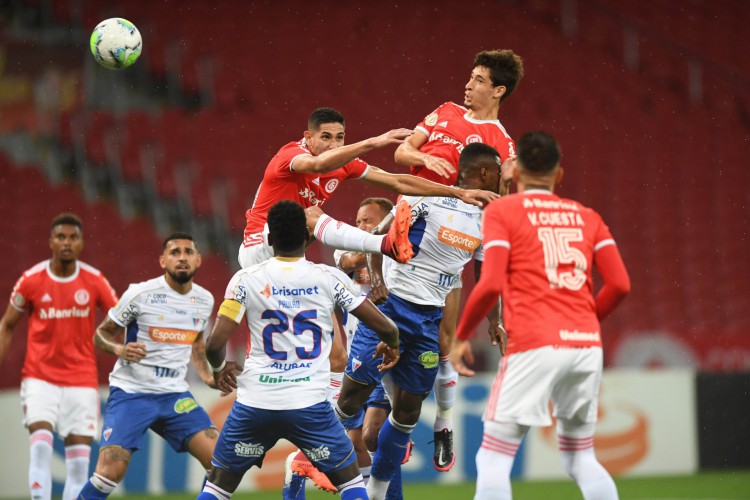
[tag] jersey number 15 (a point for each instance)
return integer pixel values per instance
(558, 252)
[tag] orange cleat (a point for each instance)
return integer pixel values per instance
(409, 450)
(302, 466)
(396, 243)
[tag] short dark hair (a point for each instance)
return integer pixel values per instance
(176, 236)
(384, 203)
(324, 115)
(287, 225)
(538, 152)
(476, 154)
(68, 219)
(506, 68)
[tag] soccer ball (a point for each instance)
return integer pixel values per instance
(116, 43)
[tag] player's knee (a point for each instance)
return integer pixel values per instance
(370, 437)
(113, 463)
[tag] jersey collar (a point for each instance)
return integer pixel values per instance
(70, 278)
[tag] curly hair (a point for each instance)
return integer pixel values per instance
(506, 68)
(287, 225)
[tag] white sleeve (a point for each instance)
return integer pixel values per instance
(345, 293)
(127, 310)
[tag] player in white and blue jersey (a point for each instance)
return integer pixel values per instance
(164, 321)
(445, 235)
(288, 303)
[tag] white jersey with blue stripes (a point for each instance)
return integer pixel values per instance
(288, 304)
(167, 323)
(445, 234)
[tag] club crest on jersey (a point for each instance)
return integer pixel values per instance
(107, 432)
(81, 297)
(185, 405)
(429, 359)
(331, 185)
(473, 138)
(356, 364)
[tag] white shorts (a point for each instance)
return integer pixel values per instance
(527, 381)
(257, 251)
(70, 410)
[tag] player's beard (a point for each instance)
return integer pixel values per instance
(181, 278)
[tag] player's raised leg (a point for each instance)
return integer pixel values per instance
(445, 387)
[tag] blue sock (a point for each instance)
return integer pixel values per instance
(295, 490)
(392, 442)
(395, 490)
(205, 496)
(357, 493)
(89, 492)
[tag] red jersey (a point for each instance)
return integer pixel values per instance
(449, 130)
(59, 349)
(280, 182)
(548, 296)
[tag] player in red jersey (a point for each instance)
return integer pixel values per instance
(432, 152)
(539, 253)
(59, 388)
(310, 170)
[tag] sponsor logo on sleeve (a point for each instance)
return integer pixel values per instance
(431, 119)
(240, 294)
(172, 335)
(18, 300)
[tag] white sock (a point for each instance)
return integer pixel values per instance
(445, 387)
(337, 234)
(495, 460)
(377, 488)
(103, 484)
(365, 471)
(216, 491)
(40, 464)
(579, 461)
(77, 466)
(334, 386)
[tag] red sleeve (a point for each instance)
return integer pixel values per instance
(616, 286)
(486, 292)
(282, 162)
(107, 295)
(430, 120)
(356, 168)
(19, 297)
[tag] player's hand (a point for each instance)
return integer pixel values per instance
(476, 197)
(226, 379)
(395, 136)
(378, 291)
(390, 356)
(462, 351)
(440, 166)
(133, 352)
(498, 337)
(508, 168)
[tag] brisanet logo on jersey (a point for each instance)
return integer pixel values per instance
(293, 292)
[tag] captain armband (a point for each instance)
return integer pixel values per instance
(232, 310)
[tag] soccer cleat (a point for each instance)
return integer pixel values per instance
(444, 458)
(294, 484)
(396, 243)
(302, 466)
(409, 450)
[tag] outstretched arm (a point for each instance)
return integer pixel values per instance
(416, 186)
(338, 157)
(224, 372)
(408, 154)
(10, 319)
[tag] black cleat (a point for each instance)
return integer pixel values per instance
(444, 458)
